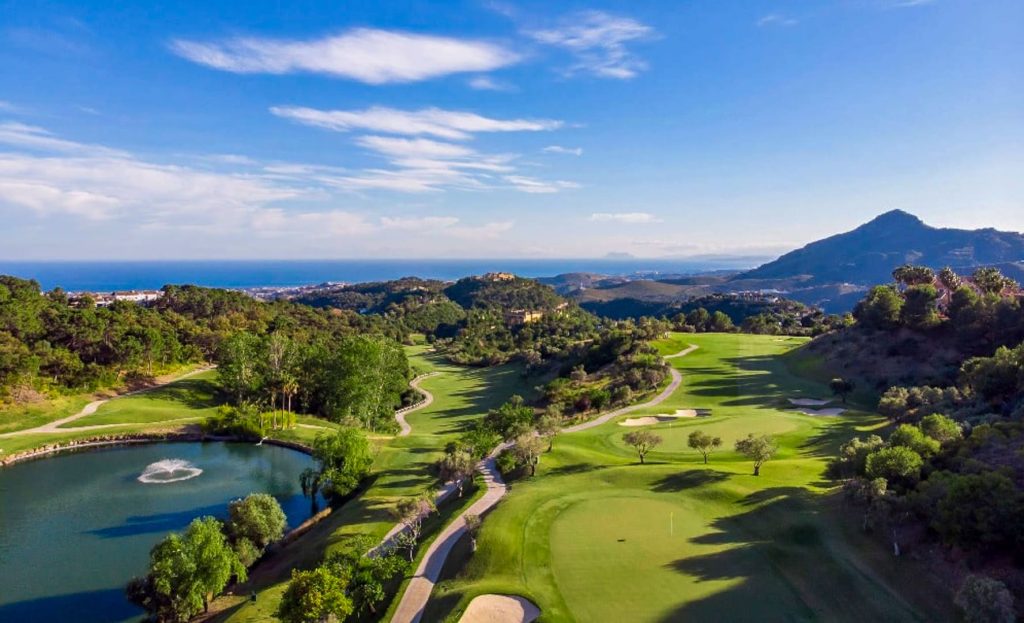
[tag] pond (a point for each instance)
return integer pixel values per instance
(75, 528)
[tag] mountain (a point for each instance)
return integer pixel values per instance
(867, 255)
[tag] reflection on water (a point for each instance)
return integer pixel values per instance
(75, 528)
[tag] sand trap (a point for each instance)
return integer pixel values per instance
(648, 420)
(822, 412)
(500, 609)
(808, 402)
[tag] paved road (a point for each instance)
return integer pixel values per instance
(89, 409)
(417, 593)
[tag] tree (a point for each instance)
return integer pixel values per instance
(991, 280)
(909, 275)
(548, 426)
(721, 322)
(758, 449)
(698, 319)
(411, 512)
(315, 596)
(703, 443)
(345, 458)
(456, 466)
(240, 366)
(215, 561)
(841, 387)
(895, 464)
(950, 279)
(527, 450)
(880, 309)
(473, 524)
(643, 441)
(509, 417)
(919, 310)
(258, 518)
(985, 600)
(912, 437)
(186, 571)
(940, 428)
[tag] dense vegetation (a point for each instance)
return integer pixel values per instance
(188, 570)
(49, 343)
(951, 470)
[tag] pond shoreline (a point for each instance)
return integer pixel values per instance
(106, 441)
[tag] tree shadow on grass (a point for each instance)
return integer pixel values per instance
(782, 565)
(674, 483)
(192, 393)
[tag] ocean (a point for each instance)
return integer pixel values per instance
(105, 276)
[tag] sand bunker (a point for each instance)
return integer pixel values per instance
(807, 402)
(822, 412)
(648, 420)
(500, 609)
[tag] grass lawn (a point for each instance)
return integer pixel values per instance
(598, 537)
(195, 397)
(21, 417)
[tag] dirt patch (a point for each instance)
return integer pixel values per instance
(834, 412)
(808, 402)
(500, 609)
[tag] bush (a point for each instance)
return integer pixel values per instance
(258, 519)
(984, 600)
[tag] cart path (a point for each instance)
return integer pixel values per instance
(89, 409)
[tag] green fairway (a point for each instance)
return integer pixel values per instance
(194, 397)
(598, 537)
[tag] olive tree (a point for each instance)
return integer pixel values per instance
(758, 449)
(703, 443)
(643, 441)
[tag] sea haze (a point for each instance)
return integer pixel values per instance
(97, 276)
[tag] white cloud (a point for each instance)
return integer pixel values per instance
(598, 41)
(364, 54)
(631, 218)
(413, 148)
(449, 124)
(776, 19)
(487, 83)
(8, 107)
(36, 138)
(559, 149)
(531, 185)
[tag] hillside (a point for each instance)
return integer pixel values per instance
(868, 254)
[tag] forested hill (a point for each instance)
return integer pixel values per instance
(868, 254)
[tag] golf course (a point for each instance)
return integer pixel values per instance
(597, 536)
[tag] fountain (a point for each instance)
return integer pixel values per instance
(168, 470)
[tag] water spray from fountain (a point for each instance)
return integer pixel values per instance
(169, 470)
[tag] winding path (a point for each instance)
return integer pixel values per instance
(417, 593)
(428, 399)
(89, 409)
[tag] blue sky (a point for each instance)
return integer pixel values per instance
(154, 130)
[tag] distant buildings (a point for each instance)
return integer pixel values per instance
(104, 299)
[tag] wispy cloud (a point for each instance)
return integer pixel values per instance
(364, 54)
(487, 83)
(266, 200)
(535, 186)
(448, 124)
(631, 218)
(36, 138)
(776, 19)
(559, 149)
(598, 41)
